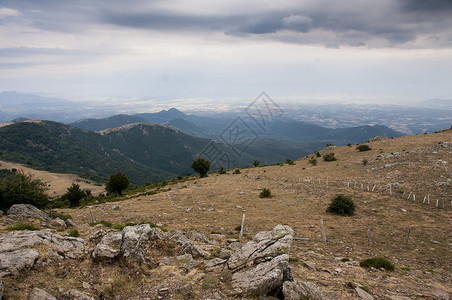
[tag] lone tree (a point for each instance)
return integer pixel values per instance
(20, 188)
(201, 166)
(75, 194)
(117, 183)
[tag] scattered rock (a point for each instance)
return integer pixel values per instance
(57, 222)
(108, 248)
(96, 236)
(70, 223)
(14, 261)
(86, 285)
(134, 240)
(116, 207)
(75, 295)
(186, 246)
(214, 264)
(403, 210)
(38, 294)
(362, 294)
(27, 211)
(293, 290)
(264, 279)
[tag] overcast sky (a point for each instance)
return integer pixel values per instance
(362, 49)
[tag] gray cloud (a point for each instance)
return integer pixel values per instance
(373, 23)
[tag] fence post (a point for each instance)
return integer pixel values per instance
(368, 235)
(323, 230)
(242, 226)
(408, 236)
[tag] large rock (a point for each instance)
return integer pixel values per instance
(27, 211)
(294, 290)
(66, 246)
(131, 243)
(134, 240)
(38, 294)
(186, 246)
(265, 246)
(263, 279)
(108, 248)
(14, 261)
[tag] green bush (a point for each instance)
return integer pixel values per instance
(256, 163)
(289, 161)
(342, 205)
(20, 188)
(201, 165)
(318, 154)
(221, 171)
(377, 262)
(329, 157)
(313, 161)
(365, 161)
(265, 193)
(236, 171)
(74, 233)
(75, 194)
(363, 147)
(22, 226)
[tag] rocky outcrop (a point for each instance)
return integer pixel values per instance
(108, 248)
(185, 245)
(38, 294)
(16, 252)
(263, 279)
(66, 246)
(27, 211)
(265, 246)
(131, 243)
(294, 290)
(261, 266)
(12, 262)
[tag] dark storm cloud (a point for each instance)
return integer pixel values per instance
(390, 23)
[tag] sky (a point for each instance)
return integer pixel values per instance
(387, 50)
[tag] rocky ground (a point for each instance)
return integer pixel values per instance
(200, 257)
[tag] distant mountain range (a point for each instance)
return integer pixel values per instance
(149, 152)
(292, 131)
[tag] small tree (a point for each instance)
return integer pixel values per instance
(117, 183)
(363, 147)
(74, 194)
(318, 154)
(20, 188)
(342, 205)
(256, 163)
(201, 165)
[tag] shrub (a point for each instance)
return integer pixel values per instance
(117, 183)
(201, 166)
(318, 154)
(20, 188)
(256, 163)
(221, 171)
(289, 161)
(265, 193)
(365, 161)
(236, 171)
(329, 157)
(342, 205)
(313, 161)
(22, 226)
(377, 262)
(74, 233)
(363, 147)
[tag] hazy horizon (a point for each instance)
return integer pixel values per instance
(394, 51)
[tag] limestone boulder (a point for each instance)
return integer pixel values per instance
(263, 279)
(27, 211)
(294, 290)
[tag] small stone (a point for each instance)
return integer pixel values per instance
(70, 223)
(38, 294)
(362, 294)
(403, 210)
(86, 285)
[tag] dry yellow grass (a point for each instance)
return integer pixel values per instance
(412, 164)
